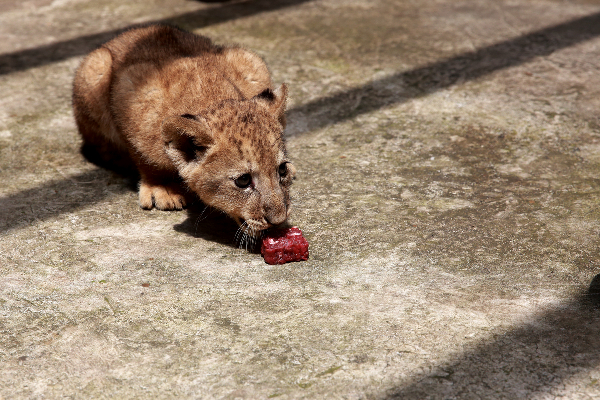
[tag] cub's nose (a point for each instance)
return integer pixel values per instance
(275, 215)
(275, 219)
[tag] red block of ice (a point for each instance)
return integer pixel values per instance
(280, 246)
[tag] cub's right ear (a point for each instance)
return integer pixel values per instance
(186, 137)
(275, 100)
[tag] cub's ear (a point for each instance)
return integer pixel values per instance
(275, 101)
(186, 138)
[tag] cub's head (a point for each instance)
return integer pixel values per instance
(234, 158)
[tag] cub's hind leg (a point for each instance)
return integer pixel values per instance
(91, 106)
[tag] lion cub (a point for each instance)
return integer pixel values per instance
(193, 118)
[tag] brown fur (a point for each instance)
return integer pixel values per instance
(191, 117)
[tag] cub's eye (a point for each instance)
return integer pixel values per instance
(199, 150)
(243, 181)
(282, 170)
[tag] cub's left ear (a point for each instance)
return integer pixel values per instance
(275, 101)
(185, 138)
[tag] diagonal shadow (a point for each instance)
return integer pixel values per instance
(58, 197)
(347, 104)
(59, 51)
(527, 362)
(210, 224)
(419, 82)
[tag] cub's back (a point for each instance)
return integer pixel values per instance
(157, 44)
(160, 71)
(161, 45)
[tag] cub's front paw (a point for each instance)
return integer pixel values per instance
(164, 198)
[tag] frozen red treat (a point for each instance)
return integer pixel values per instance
(280, 246)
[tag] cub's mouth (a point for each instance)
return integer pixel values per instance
(252, 230)
(258, 228)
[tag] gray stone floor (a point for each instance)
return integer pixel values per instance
(449, 179)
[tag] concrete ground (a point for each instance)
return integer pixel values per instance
(448, 155)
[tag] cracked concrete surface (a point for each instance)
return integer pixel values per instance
(448, 156)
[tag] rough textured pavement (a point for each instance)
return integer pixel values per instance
(449, 179)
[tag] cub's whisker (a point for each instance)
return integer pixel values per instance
(238, 232)
(200, 219)
(248, 235)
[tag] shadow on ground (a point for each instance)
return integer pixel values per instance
(31, 58)
(419, 82)
(534, 358)
(59, 196)
(209, 224)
